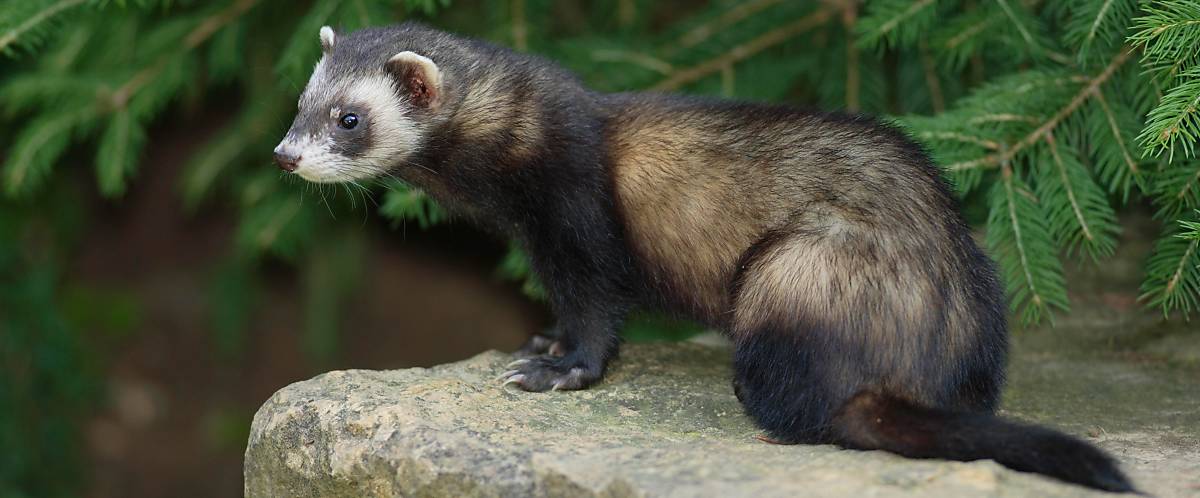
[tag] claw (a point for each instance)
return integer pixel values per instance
(767, 439)
(507, 374)
(516, 379)
(517, 363)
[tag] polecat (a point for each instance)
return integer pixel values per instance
(827, 245)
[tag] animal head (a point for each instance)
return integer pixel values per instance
(365, 110)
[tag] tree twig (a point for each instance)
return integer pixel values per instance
(702, 32)
(745, 50)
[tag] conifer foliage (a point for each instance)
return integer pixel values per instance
(1058, 113)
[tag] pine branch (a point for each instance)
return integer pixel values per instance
(37, 147)
(201, 33)
(1094, 26)
(963, 37)
(745, 50)
(1095, 22)
(1176, 119)
(117, 156)
(1119, 170)
(1022, 244)
(1019, 24)
(1173, 269)
(1177, 188)
(891, 23)
(1004, 118)
(702, 32)
(217, 156)
(1168, 34)
(10, 37)
(1089, 90)
(960, 137)
(643, 60)
(1078, 212)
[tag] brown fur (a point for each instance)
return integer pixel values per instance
(683, 216)
(696, 200)
(492, 111)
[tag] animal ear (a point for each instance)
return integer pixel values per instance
(328, 38)
(419, 78)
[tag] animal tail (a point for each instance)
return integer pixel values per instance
(872, 421)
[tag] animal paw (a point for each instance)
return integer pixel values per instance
(547, 372)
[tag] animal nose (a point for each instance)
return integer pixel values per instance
(286, 161)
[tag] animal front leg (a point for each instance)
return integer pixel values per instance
(576, 360)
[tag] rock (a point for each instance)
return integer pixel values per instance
(665, 423)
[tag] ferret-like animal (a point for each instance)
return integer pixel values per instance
(828, 246)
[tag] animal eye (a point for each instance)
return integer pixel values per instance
(348, 121)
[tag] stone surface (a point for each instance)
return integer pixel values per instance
(665, 423)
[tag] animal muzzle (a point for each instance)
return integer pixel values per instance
(287, 159)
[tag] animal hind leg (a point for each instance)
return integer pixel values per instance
(793, 368)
